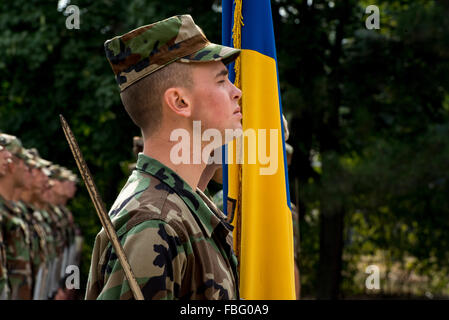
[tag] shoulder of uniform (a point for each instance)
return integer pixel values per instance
(167, 216)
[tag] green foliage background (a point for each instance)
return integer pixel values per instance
(367, 109)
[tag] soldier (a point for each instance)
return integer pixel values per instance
(66, 191)
(176, 240)
(77, 242)
(5, 159)
(42, 215)
(29, 203)
(32, 200)
(16, 231)
(24, 197)
(58, 224)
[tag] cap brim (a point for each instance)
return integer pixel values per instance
(213, 52)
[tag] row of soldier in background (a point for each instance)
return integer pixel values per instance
(38, 236)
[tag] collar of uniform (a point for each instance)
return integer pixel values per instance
(214, 208)
(197, 206)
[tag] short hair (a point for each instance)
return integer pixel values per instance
(143, 99)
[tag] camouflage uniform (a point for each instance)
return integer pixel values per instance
(4, 287)
(26, 216)
(18, 252)
(16, 235)
(178, 244)
(47, 224)
(59, 244)
(70, 239)
(40, 265)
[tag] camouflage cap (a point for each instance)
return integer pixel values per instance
(67, 175)
(45, 166)
(13, 145)
(73, 178)
(55, 171)
(149, 48)
(29, 158)
(35, 158)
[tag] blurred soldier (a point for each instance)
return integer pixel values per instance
(29, 202)
(178, 244)
(66, 191)
(22, 195)
(43, 292)
(16, 231)
(5, 158)
(58, 224)
(70, 189)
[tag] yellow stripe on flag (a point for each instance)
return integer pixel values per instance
(266, 236)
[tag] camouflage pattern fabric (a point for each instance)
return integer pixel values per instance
(176, 240)
(48, 225)
(218, 199)
(4, 287)
(39, 263)
(69, 237)
(58, 225)
(18, 257)
(149, 48)
(35, 248)
(13, 145)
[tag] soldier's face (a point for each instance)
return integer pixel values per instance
(27, 176)
(19, 172)
(72, 189)
(58, 188)
(5, 158)
(45, 182)
(37, 180)
(215, 98)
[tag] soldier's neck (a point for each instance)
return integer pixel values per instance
(26, 196)
(17, 194)
(7, 187)
(160, 149)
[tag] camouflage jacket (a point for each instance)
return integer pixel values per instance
(18, 252)
(34, 232)
(4, 287)
(177, 243)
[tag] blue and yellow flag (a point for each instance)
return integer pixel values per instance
(256, 196)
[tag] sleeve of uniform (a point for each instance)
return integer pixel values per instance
(157, 259)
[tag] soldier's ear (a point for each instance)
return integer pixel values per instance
(178, 101)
